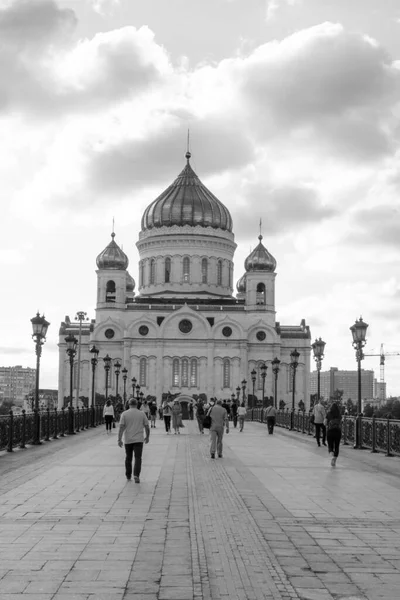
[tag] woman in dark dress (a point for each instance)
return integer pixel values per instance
(334, 433)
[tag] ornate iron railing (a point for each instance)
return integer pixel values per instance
(377, 435)
(19, 430)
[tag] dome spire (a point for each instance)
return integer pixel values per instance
(188, 153)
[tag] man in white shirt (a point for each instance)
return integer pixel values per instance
(131, 426)
(319, 422)
(219, 418)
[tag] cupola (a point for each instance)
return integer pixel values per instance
(187, 201)
(112, 257)
(260, 259)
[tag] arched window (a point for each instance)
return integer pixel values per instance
(227, 374)
(186, 269)
(152, 271)
(259, 378)
(204, 270)
(193, 372)
(167, 270)
(185, 373)
(219, 272)
(230, 275)
(75, 375)
(141, 274)
(143, 372)
(110, 291)
(290, 378)
(260, 293)
(175, 372)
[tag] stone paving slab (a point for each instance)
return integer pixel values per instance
(271, 520)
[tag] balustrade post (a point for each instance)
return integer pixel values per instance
(262, 416)
(373, 434)
(388, 453)
(47, 438)
(77, 419)
(62, 430)
(10, 432)
(345, 443)
(71, 428)
(304, 422)
(55, 436)
(23, 430)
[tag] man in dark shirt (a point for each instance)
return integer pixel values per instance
(234, 408)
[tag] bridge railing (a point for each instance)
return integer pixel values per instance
(18, 431)
(377, 435)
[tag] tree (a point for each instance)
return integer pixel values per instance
(301, 405)
(5, 407)
(350, 406)
(368, 410)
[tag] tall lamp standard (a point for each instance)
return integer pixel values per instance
(253, 380)
(294, 362)
(71, 351)
(107, 366)
(117, 370)
(80, 316)
(124, 378)
(263, 370)
(39, 328)
(359, 332)
(137, 392)
(275, 369)
(133, 386)
(244, 391)
(94, 360)
(238, 394)
(318, 348)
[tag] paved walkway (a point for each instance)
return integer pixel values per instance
(270, 520)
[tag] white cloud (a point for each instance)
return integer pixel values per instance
(273, 7)
(104, 7)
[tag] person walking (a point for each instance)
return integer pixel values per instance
(234, 412)
(131, 426)
(219, 419)
(167, 414)
(176, 416)
(319, 422)
(334, 433)
(108, 414)
(144, 407)
(200, 416)
(270, 414)
(241, 411)
(153, 413)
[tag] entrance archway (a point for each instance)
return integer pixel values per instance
(185, 401)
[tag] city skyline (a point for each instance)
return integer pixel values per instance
(293, 113)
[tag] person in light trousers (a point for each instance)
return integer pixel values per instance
(219, 420)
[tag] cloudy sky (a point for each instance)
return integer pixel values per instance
(293, 108)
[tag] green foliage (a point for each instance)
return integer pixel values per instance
(5, 407)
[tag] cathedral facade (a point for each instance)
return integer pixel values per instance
(185, 331)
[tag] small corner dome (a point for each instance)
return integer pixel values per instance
(130, 283)
(241, 285)
(260, 259)
(112, 257)
(187, 201)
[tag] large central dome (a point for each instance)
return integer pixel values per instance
(187, 201)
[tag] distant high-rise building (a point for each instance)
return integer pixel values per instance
(16, 382)
(336, 379)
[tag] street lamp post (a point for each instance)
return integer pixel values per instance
(117, 370)
(263, 370)
(318, 348)
(137, 392)
(359, 332)
(244, 391)
(107, 366)
(80, 316)
(275, 369)
(39, 328)
(124, 378)
(133, 386)
(294, 358)
(71, 351)
(253, 380)
(238, 393)
(94, 360)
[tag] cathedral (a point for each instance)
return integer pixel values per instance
(185, 331)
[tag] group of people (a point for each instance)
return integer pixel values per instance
(135, 421)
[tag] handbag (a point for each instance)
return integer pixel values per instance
(207, 420)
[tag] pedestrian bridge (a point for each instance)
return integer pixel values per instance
(270, 520)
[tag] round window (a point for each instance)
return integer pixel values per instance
(227, 332)
(109, 333)
(143, 330)
(260, 335)
(185, 326)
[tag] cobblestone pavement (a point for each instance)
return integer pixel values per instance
(270, 520)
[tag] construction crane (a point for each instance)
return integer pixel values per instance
(382, 356)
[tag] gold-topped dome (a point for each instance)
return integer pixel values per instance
(130, 283)
(112, 257)
(187, 201)
(260, 259)
(241, 285)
